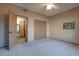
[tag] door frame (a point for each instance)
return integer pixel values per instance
(26, 38)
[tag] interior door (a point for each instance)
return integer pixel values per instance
(12, 30)
(40, 29)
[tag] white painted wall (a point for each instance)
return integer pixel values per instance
(2, 31)
(56, 26)
(30, 29)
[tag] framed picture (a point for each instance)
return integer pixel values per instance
(69, 25)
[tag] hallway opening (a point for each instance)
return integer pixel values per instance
(22, 28)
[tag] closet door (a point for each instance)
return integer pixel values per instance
(12, 30)
(40, 29)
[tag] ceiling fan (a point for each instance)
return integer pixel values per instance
(49, 6)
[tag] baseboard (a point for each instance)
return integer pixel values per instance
(65, 41)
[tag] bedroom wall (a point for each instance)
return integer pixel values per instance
(2, 33)
(56, 26)
(3, 30)
(5, 8)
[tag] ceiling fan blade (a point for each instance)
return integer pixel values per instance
(52, 5)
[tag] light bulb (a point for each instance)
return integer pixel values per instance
(49, 6)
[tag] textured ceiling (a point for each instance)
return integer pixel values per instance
(38, 7)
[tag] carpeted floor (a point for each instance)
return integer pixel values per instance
(43, 47)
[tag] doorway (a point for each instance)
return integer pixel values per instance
(22, 29)
(18, 26)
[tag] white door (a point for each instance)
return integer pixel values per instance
(12, 30)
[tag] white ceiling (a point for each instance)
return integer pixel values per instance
(38, 7)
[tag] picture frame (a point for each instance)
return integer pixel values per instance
(69, 25)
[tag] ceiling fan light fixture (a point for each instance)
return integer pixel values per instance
(49, 6)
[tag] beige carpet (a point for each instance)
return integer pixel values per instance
(43, 47)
